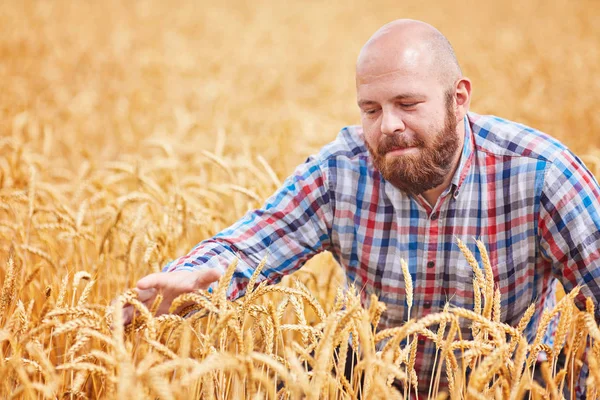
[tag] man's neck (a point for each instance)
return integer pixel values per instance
(434, 194)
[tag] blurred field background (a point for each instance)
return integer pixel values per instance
(131, 130)
(86, 83)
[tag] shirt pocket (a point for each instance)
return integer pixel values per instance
(515, 277)
(460, 288)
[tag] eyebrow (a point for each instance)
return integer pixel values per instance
(402, 96)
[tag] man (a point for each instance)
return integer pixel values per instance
(420, 172)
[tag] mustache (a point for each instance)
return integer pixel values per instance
(390, 143)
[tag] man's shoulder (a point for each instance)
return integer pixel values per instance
(348, 145)
(504, 138)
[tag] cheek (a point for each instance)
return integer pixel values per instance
(368, 123)
(370, 134)
(424, 127)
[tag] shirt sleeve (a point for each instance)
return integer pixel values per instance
(569, 226)
(293, 225)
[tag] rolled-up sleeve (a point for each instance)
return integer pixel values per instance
(569, 227)
(293, 225)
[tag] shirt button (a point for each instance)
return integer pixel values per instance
(434, 216)
(430, 264)
(427, 305)
(455, 195)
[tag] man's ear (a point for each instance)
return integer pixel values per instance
(463, 97)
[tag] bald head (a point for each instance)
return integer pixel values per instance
(411, 46)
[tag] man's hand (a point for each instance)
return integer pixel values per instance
(170, 285)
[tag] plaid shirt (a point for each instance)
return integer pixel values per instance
(524, 194)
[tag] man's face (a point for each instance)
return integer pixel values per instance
(409, 126)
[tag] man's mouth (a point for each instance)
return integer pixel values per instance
(397, 151)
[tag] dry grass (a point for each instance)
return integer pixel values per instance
(256, 346)
(130, 131)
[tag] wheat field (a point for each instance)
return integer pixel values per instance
(132, 130)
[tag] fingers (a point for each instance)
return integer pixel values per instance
(127, 314)
(156, 281)
(205, 277)
(145, 295)
(180, 281)
(171, 285)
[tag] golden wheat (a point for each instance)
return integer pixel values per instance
(127, 141)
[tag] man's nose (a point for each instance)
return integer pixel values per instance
(391, 123)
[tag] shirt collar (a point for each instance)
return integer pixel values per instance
(466, 158)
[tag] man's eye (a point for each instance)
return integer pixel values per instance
(369, 112)
(408, 105)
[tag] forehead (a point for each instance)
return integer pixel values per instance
(379, 60)
(406, 70)
(395, 83)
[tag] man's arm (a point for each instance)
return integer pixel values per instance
(292, 226)
(569, 226)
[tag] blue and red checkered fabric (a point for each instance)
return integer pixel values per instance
(523, 193)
